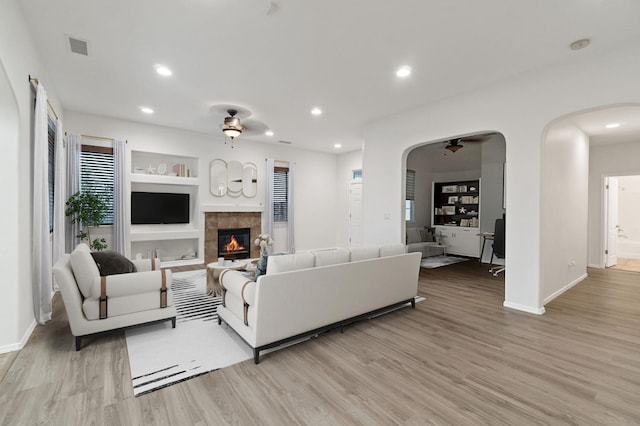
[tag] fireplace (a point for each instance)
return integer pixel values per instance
(234, 243)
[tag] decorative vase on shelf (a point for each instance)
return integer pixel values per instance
(264, 241)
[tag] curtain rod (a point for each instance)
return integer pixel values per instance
(98, 137)
(32, 79)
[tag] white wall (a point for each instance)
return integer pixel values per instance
(565, 177)
(606, 160)
(19, 58)
(491, 189)
(315, 179)
(520, 109)
(347, 163)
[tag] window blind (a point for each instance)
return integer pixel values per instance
(280, 194)
(411, 185)
(97, 174)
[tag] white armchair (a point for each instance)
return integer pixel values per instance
(96, 304)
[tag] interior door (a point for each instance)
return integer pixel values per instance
(611, 191)
(355, 214)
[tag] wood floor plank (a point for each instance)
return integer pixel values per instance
(458, 358)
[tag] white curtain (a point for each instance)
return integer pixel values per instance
(59, 195)
(290, 211)
(119, 198)
(268, 217)
(74, 147)
(42, 280)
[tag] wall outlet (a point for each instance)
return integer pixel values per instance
(387, 216)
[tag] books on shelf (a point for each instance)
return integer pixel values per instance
(469, 199)
(471, 223)
(181, 170)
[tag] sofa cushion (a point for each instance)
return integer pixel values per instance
(290, 262)
(84, 268)
(332, 256)
(364, 253)
(111, 262)
(414, 236)
(392, 250)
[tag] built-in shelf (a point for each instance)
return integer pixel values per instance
(164, 179)
(164, 235)
(181, 262)
(175, 244)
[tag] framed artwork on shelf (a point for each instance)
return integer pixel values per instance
(452, 199)
(448, 189)
(462, 188)
(449, 210)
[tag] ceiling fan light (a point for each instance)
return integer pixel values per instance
(453, 148)
(232, 132)
(232, 126)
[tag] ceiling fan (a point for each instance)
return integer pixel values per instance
(236, 122)
(454, 145)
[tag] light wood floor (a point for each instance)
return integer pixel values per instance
(632, 265)
(458, 358)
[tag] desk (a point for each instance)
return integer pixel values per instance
(485, 236)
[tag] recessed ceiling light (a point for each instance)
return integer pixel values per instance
(268, 133)
(403, 71)
(162, 70)
(337, 145)
(612, 125)
(580, 44)
(146, 110)
(316, 111)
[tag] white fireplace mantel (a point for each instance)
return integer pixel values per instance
(210, 208)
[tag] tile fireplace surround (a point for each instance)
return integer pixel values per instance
(215, 220)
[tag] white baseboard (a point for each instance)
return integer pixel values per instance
(524, 308)
(593, 265)
(565, 288)
(17, 346)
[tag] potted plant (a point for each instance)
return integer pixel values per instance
(88, 208)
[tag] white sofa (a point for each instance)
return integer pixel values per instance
(306, 293)
(418, 240)
(131, 299)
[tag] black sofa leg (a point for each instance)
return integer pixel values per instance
(256, 356)
(219, 320)
(78, 345)
(413, 303)
(173, 322)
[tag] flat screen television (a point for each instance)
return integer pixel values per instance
(159, 208)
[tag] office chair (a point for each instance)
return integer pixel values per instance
(498, 246)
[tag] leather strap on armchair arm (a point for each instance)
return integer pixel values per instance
(246, 305)
(153, 263)
(224, 289)
(103, 298)
(163, 289)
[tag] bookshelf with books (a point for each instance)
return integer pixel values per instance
(455, 214)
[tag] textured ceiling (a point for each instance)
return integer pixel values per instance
(278, 60)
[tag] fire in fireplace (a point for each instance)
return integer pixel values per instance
(234, 243)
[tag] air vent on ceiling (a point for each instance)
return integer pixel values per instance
(286, 142)
(78, 46)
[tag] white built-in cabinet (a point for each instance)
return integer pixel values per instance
(455, 215)
(175, 244)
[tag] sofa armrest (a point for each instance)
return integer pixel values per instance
(133, 283)
(238, 284)
(143, 265)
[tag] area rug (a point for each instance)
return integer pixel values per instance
(438, 261)
(160, 356)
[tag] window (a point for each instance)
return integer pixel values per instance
(51, 133)
(357, 174)
(97, 173)
(280, 194)
(410, 196)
